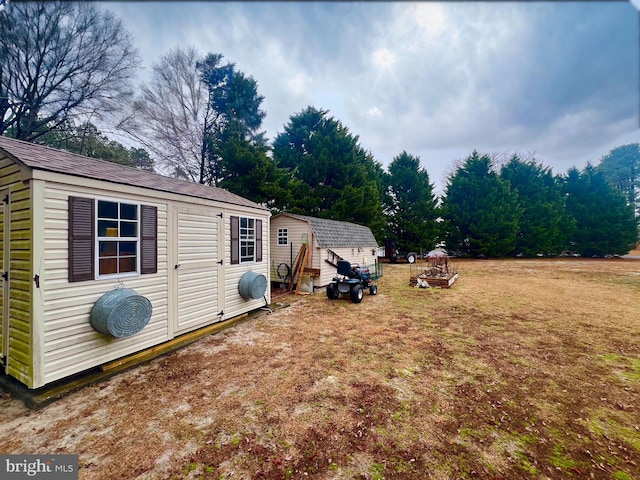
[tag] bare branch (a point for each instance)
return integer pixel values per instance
(60, 61)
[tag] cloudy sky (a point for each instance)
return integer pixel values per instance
(438, 80)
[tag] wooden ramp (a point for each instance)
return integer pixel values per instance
(298, 268)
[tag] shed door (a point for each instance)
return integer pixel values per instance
(5, 237)
(197, 269)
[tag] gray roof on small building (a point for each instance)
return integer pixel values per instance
(39, 157)
(334, 233)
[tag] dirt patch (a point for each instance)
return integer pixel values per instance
(524, 369)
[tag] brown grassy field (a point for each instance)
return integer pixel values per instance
(524, 369)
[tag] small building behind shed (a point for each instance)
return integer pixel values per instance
(327, 240)
(179, 255)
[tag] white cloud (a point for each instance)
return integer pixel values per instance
(374, 112)
(298, 83)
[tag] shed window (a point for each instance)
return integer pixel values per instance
(283, 236)
(246, 240)
(118, 238)
(111, 238)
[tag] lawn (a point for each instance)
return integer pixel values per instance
(523, 369)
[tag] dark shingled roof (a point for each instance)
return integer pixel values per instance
(39, 157)
(333, 233)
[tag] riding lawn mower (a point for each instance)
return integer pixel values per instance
(352, 280)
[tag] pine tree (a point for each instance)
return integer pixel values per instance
(336, 177)
(545, 226)
(481, 212)
(605, 223)
(246, 169)
(87, 140)
(621, 168)
(411, 205)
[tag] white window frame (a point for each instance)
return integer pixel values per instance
(98, 239)
(247, 239)
(283, 237)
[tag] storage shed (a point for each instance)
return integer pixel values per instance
(328, 241)
(180, 256)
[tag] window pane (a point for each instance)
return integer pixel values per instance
(128, 264)
(127, 248)
(128, 229)
(108, 249)
(128, 212)
(108, 266)
(246, 252)
(107, 209)
(107, 228)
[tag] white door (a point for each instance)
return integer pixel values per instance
(5, 237)
(196, 269)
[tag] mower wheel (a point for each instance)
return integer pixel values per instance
(411, 257)
(373, 290)
(357, 294)
(332, 292)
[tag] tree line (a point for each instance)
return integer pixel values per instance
(522, 209)
(66, 66)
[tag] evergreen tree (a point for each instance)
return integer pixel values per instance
(141, 159)
(545, 226)
(87, 140)
(621, 168)
(481, 212)
(605, 224)
(411, 206)
(235, 117)
(336, 177)
(246, 169)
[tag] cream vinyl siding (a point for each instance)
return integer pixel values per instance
(68, 343)
(359, 255)
(234, 303)
(297, 231)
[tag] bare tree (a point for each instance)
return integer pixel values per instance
(61, 61)
(172, 115)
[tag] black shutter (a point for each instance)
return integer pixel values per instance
(148, 239)
(258, 240)
(81, 239)
(235, 240)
